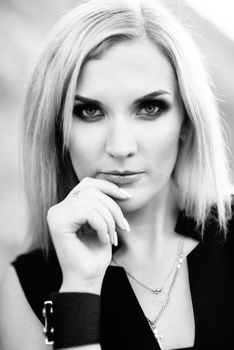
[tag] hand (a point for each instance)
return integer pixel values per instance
(82, 227)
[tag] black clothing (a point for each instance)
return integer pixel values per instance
(123, 324)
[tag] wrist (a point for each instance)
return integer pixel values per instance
(72, 319)
(92, 286)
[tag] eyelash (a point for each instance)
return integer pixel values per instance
(162, 106)
(79, 109)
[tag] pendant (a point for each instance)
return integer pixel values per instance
(158, 297)
(157, 290)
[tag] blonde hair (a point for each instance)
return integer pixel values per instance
(201, 172)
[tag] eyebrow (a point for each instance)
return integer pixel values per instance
(151, 95)
(137, 101)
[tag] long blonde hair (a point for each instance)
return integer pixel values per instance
(201, 172)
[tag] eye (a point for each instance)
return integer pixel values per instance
(88, 112)
(152, 108)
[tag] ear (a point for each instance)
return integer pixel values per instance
(184, 130)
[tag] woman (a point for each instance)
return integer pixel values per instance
(123, 149)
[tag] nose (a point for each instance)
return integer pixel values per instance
(121, 140)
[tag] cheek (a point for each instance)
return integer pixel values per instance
(164, 150)
(84, 150)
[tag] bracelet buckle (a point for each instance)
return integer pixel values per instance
(48, 329)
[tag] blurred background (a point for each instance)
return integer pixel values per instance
(24, 26)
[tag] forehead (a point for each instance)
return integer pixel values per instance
(129, 67)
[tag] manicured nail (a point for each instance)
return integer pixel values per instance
(115, 239)
(125, 193)
(126, 225)
(107, 240)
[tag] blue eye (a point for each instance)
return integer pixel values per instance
(87, 112)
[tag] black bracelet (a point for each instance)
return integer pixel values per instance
(72, 319)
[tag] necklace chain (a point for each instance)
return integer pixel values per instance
(178, 261)
(170, 290)
(157, 290)
(153, 322)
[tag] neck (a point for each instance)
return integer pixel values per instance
(152, 229)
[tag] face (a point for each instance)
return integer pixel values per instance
(127, 121)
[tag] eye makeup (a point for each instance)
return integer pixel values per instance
(87, 111)
(148, 106)
(153, 107)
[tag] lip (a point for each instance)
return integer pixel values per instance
(122, 171)
(121, 178)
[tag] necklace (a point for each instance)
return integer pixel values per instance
(166, 301)
(159, 294)
(153, 322)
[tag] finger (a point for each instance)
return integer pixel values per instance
(110, 222)
(97, 222)
(115, 211)
(90, 194)
(77, 214)
(104, 186)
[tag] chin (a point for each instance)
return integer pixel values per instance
(137, 202)
(145, 198)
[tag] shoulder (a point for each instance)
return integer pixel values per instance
(39, 276)
(19, 326)
(210, 233)
(213, 256)
(36, 261)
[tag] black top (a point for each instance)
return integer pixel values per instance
(123, 324)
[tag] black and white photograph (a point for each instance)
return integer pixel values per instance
(116, 175)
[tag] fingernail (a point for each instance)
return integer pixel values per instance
(125, 193)
(107, 241)
(115, 239)
(126, 225)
